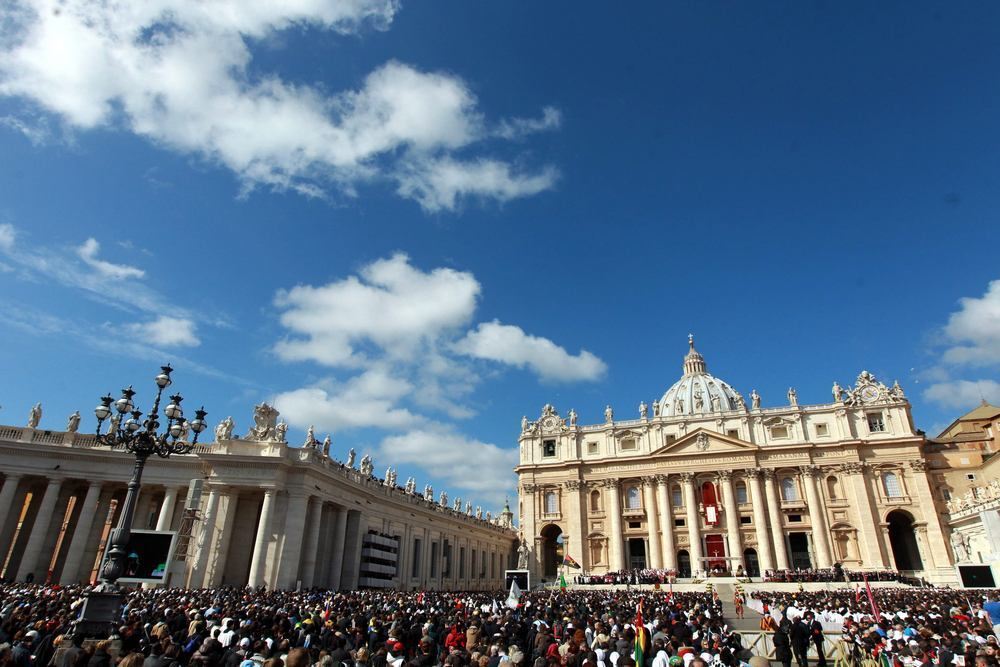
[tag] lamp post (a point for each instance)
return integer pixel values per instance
(142, 439)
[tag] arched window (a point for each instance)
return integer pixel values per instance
(833, 487)
(893, 489)
(633, 500)
(676, 497)
(595, 501)
(551, 502)
(741, 493)
(788, 489)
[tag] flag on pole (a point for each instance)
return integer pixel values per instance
(569, 562)
(670, 592)
(562, 582)
(871, 600)
(857, 593)
(639, 653)
(513, 598)
(326, 610)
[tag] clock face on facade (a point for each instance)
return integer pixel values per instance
(869, 394)
(548, 422)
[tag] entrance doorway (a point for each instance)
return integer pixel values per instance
(798, 546)
(552, 550)
(683, 564)
(752, 565)
(715, 551)
(904, 541)
(637, 553)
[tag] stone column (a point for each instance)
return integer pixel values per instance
(258, 563)
(777, 529)
(616, 555)
(7, 494)
(337, 554)
(352, 550)
(31, 560)
(649, 500)
(166, 516)
(666, 516)
(291, 553)
(817, 517)
(81, 534)
(206, 540)
(216, 573)
(576, 518)
(735, 539)
(765, 550)
(936, 544)
(872, 550)
(693, 522)
(312, 543)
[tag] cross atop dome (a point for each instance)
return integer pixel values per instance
(694, 363)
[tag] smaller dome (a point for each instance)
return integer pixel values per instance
(698, 392)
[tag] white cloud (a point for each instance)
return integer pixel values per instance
(975, 330)
(366, 400)
(466, 464)
(393, 305)
(440, 183)
(963, 394)
(511, 345)
(88, 253)
(179, 73)
(7, 237)
(167, 332)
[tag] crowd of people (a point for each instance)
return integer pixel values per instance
(627, 577)
(258, 628)
(897, 627)
(830, 574)
(233, 627)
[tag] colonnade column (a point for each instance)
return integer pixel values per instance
(765, 550)
(817, 517)
(291, 553)
(693, 521)
(616, 555)
(872, 551)
(166, 515)
(40, 531)
(649, 500)
(312, 543)
(666, 516)
(258, 564)
(207, 539)
(577, 521)
(81, 534)
(10, 484)
(774, 512)
(337, 556)
(216, 574)
(735, 539)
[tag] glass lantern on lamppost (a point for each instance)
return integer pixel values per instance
(129, 432)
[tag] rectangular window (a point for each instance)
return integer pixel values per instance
(741, 494)
(592, 448)
(549, 448)
(434, 559)
(733, 433)
(875, 423)
(670, 437)
(779, 432)
(461, 562)
(680, 523)
(794, 518)
(417, 553)
(746, 520)
(635, 524)
(822, 430)
(676, 497)
(628, 443)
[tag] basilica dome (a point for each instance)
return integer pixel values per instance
(697, 392)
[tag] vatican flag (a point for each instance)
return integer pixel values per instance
(515, 595)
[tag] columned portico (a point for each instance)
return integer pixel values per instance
(258, 563)
(31, 563)
(81, 534)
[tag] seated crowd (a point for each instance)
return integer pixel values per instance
(832, 574)
(256, 628)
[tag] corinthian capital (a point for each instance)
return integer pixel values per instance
(767, 473)
(918, 465)
(574, 484)
(687, 477)
(810, 471)
(725, 475)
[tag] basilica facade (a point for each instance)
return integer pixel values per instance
(249, 510)
(705, 480)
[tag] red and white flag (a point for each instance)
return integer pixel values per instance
(871, 600)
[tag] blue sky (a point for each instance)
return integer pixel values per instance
(411, 223)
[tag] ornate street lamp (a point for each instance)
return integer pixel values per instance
(142, 439)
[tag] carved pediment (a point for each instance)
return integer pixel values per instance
(704, 443)
(628, 433)
(778, 421)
